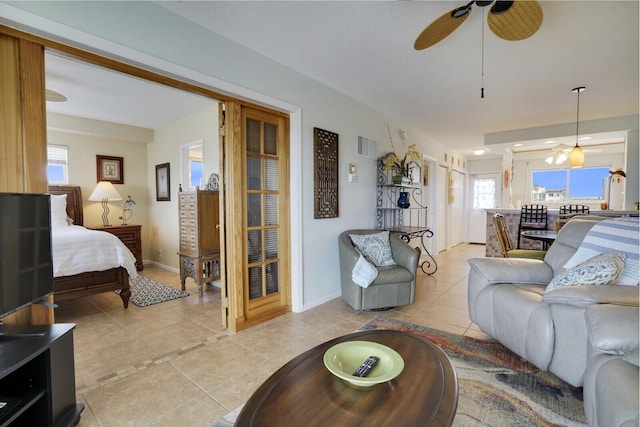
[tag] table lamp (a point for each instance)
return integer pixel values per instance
(105, 192)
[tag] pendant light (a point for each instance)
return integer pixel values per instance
(576, 158)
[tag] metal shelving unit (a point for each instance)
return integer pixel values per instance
(410, 223)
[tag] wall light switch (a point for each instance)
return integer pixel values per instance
(352, 172)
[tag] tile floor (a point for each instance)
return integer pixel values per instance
(172, 364)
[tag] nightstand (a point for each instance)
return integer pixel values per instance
(131, 236)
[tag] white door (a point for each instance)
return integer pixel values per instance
(455, 226)
(441, 220)
(484, 194)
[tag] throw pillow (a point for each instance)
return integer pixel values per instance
(59, 211)
(602, 269)
(375, 247)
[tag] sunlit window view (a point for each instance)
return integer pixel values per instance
(569, 184)
(484, 194)
(57, 162)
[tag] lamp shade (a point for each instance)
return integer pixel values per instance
(576, 158)
(104, 190)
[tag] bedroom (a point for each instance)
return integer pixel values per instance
(142, 135)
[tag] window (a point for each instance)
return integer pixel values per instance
(195, 167)
(191, 161)
(57, 164)
(562, 185)
(484, 193)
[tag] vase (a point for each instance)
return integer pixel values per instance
(396, 179)
(403, 200)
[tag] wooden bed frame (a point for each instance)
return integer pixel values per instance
(93, 282)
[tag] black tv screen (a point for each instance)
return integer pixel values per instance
(26, 266)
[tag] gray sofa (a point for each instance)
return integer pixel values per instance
(394, 286)
(611, 383)
(507, 301)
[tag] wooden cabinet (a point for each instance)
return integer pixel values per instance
(199, 237)
(131, 236)
(199, 221)
(37, 376)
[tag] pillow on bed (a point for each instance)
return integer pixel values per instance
(59, 211)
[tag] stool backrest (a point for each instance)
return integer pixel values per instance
(502, 233)
(533, 214)
(569, 211)
(566, 209)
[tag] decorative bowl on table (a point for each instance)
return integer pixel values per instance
(343, 359)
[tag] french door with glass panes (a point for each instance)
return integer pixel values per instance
(266, 289)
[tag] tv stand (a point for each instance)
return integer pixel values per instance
(37, 376)
(5, 335)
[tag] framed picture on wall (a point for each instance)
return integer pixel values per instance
(163, 183)
(110, 169)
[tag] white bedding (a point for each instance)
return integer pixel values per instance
(78, 250)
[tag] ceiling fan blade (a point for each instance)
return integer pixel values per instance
(517, 21)
(441, 27)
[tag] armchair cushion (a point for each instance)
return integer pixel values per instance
(602, 269)
(374, 247)
(633, 357)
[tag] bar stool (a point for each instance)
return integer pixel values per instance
(569, 211)
(506, 247)
(532, 217)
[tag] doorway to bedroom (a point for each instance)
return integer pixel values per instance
(163, 146)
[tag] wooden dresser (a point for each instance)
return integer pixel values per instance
(131, 236)
(199, 236)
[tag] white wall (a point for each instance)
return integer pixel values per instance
(157, 39)
(163, 230)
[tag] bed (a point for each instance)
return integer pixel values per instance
(82, 266)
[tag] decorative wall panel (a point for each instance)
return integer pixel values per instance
(325, 174)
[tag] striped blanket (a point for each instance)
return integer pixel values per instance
(613, 235)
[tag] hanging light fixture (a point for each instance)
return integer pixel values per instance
(576, 158)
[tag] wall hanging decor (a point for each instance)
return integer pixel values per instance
(325, 174)
(163, 183)
(110, 169)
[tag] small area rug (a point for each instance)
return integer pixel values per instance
(495, 386)
(145, 292)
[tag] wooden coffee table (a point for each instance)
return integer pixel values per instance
(304, 393)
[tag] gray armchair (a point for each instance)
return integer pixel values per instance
(394, 286)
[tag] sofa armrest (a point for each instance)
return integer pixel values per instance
(512, 270)
(613, 329)
(585, 295)
(403, 254)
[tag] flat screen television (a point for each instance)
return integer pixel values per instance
(26, 266)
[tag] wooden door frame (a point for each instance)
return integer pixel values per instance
(288, 111)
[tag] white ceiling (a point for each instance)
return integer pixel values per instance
(365, 50)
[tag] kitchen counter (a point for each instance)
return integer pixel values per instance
(512, 218)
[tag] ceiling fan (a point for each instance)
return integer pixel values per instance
(509, 20)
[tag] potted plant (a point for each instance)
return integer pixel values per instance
(401, 167)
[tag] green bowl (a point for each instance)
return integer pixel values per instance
(343, 359)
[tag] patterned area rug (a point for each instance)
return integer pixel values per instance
(145, 292)
(496, 387)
